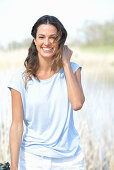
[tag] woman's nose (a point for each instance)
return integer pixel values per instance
(46, 41)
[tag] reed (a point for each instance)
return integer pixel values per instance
(98, 156)
(95, 157)
(99, 152)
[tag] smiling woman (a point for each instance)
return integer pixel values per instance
(45, 100)
(49, 37)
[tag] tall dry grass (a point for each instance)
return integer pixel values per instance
(99, 154)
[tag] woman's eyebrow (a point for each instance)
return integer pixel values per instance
(53, 34)
(49, 35)
(41, 34)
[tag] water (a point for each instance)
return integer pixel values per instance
(5, 98)
(99, 103)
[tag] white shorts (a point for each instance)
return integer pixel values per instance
(28, 161)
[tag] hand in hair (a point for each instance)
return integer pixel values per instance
(66, 54)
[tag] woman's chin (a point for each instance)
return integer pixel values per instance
(47, 56)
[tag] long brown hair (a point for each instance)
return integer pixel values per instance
(31, 63)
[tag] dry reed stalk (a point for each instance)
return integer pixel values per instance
(94, 159)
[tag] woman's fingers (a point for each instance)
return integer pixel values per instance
(66, 54)
(67, 51)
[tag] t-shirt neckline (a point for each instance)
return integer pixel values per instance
(49, 79)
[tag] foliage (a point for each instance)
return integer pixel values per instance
(100, 34)
(92, 34)
(99, 49)
(18, 45)
(95, 34)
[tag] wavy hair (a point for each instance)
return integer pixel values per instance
(31, 62)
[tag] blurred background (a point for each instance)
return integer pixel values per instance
(90, 26)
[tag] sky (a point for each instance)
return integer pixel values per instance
(18, 16)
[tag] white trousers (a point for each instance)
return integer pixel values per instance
(28, 161)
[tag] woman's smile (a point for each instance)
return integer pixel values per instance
(47, 49)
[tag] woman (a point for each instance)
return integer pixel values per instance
(44, 95)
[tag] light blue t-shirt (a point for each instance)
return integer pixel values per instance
(48, 115)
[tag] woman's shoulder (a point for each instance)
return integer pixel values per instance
(16, 80)
(19, 73)
(74, 63)
(75, 66)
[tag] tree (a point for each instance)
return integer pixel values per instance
(98, 34)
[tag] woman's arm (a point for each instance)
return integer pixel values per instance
(75, 92)
(16, 129)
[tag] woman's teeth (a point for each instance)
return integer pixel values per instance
(47, 49)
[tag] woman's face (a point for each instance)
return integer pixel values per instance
(46, 40)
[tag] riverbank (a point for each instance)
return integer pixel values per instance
(84, 56)
(94, 63)
(97, 63)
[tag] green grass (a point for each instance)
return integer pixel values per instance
(100, 49)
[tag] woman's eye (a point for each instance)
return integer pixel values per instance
(41, 37)
(53, 38)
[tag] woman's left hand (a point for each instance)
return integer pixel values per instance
(66, 54)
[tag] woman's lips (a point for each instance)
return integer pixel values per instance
(47, 49)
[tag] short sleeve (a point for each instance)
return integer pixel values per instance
(75, 67)
(16, 82)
